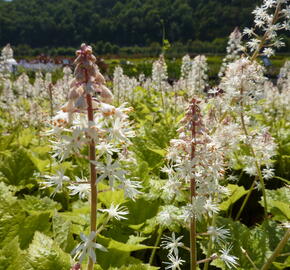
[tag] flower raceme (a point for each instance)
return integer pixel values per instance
(269, 24)
(196, 154)
(88, 80)
(87, 122)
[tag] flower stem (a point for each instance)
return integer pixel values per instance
(193, 256)
(253, 153)
(210, 244)
(160, 231)
(50, 87)
(249, 258)
(192, 230)
(246, 199)
(207, 260)
(265, 36)
(93, 177)
(277, 251)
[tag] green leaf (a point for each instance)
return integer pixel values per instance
(284, 265)
(134, 240)
(31, 224)
(236, 192)
(9, 255)
(144, 153)
(137, 227)
(126, 247)
(111, 196)
(17, 168)
(40, 164)
(278, 203)
(141, 172)
(141, 210)
(62, 232)
(25, 137)
(79, 215)
(33, 204)
(6, 140)
(259, 242)
(281, 194)
(15, 221)
(45, 254)
(11, 216)
(6, 194)
(118, 253)
(280, 210)
(158, 151)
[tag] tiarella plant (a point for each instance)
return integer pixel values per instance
(89, 128)
(197, 77)
(124, 86)
(264, 37)
(159, 80)
(194, 78)
(231, 112)
(245, 84)
(196, 165)
(234, 50)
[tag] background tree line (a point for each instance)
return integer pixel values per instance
(119, 23)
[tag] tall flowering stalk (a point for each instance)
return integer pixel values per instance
(192, 192)
(159, 79)
(284, 77)
(268, 23)
(185, 70)
(234, 50)
(194, 122)
(6, 59)
(85, 74)
(124, 86)
(88, 121)
(197, 77)
(244, 84)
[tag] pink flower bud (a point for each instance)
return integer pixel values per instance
(106, 94)
(99, 78)
(77, 266)
(75, 93)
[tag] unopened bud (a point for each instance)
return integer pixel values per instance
(77, 266)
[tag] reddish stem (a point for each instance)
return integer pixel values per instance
(93, 173)
(193, 259)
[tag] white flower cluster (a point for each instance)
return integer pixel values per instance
(173, 243)
(87, 119)
(197, 155)
(234, 50)
(159, 74)
(269, 24)
(124, 86)
(21, 99)
(284, 77)
(6, 59)
(243, 82)
(127, 89)
(111, 131)
(244, 85)
(7, 52)
(186, 66)
(194, 78)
